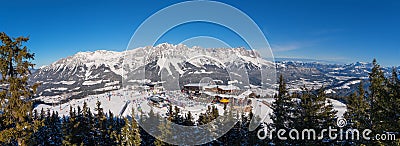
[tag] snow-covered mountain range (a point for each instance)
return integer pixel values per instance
(87, 73)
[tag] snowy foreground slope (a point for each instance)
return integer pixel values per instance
(115, 102)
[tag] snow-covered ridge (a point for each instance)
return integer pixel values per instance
(88, 59)
(166, 55)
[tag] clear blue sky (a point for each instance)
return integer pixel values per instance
(336, 30)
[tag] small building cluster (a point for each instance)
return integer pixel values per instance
(199, 88)
(216, 93)
(220, 93)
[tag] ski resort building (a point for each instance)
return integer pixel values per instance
(205, 87)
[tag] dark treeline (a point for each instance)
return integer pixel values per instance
(83, 127)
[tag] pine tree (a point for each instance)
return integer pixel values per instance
(314, 112)
(393, 109)
(384, 114)
(382, 101)
(38, 136)
(306, 112)
(56, 133)
(87, 124)
(131, 131)
(377, 93)
(37, 125)
(283, 111)
(208, 116)
(118, 135)
(100, 126)
(135, 130)
(391, 102)
(397, 88)
(165, 129)
(170, 113)
(15, 127)
(253, 137)
(115, 129)
(78, 128)
(327, 116)
(152, 121)
(188, 120)
(214, 112)
(67, 125)
(244, 130)
(357, 113)
(50, 133)
(233, 136)
(110, 129)
(176, 117)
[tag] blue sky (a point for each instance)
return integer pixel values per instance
(336, 30)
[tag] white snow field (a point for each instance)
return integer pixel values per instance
(115, 102)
